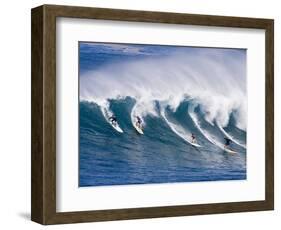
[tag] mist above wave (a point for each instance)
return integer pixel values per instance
(215, 81)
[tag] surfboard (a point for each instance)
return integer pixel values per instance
(229, 150)
(196, 145)
(116, 127)
(139, 130)
(107, 115)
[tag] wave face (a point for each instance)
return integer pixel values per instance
(161, 155)
(176, 96)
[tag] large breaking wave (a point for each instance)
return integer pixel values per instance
(214, 87)
(199, 93)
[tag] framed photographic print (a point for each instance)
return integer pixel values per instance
(141, 114)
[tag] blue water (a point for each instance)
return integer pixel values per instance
(177, 91)
(107, 157)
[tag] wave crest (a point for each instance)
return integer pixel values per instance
(217, 85)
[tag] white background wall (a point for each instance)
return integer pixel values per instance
(15, 113)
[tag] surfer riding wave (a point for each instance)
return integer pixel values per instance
(139, 122)
(113, 120)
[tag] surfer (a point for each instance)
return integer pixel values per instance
(227, 142)
(113, 120)
(193, 138)
(139, 122)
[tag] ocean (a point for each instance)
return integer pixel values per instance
(175, 99)
(108, 157)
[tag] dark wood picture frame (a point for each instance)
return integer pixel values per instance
(43, 188)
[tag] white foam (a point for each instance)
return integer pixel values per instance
(215, 80)
(204, 132)
(107, 113)
(178, 130)
(231, 137)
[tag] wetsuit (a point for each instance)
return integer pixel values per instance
(139, 121)
(227, 141)
(113, 119)
(193, 139)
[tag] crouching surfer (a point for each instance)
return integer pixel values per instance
(139, 122)
(193, 139)
(227, 143)
(113, 120)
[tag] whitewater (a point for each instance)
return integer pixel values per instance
(175, 96)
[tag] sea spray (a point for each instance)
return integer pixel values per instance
(215, 85)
